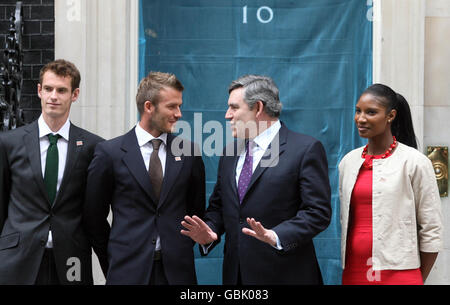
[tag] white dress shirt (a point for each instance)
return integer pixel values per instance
(258, 147)
(62, 144)
(144, 138)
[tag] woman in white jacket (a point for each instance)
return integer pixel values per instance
(390, 206)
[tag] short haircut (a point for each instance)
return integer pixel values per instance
(62, 68)
(259, 88)
(152, 84)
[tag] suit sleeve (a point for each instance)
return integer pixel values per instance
(4, 185)
(99, 189)
(314, 213)
(428, 207)
(196, 195)
(213, 215)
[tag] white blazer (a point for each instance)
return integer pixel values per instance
(406, 208)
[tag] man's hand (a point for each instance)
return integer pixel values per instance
(259, 232)
(198, 230)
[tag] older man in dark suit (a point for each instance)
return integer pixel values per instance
(43, 171)
(151, 179)
(272, 194)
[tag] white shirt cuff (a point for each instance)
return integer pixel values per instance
(279, 246)
(206, 247)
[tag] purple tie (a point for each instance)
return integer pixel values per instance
(246, 173)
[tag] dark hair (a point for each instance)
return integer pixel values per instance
(402, 126)
(62, 68)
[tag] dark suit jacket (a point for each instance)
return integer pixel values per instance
(118, 178)
(291, 198)
(26, 214)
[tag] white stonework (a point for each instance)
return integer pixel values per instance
(101, 38)
(411, 55)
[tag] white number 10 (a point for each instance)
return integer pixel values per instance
(258, 14)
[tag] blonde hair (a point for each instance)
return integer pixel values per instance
(152, 84)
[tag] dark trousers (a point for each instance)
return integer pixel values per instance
(47, 274)
(239, 280)
(158, 276)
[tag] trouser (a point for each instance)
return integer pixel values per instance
(47, 274)
(158, 276)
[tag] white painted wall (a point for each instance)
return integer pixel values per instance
(411, 54)
(437, 108)
(101, 38)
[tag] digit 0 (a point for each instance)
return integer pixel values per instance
(265, 8)
(258, 14)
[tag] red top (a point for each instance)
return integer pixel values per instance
(358, 265)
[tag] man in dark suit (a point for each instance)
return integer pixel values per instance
(151, 179)
(272, 194)
(43, 171)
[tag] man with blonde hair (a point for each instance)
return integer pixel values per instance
(150, 187)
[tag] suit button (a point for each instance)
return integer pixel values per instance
(241, 221)
(154, 241)
(43, 242)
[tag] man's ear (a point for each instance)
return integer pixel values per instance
(75, 94)
(259, 108)
(39, 87)
(149, 107)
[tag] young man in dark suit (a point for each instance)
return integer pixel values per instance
(43, 171)
(272, 194)
(150, 179)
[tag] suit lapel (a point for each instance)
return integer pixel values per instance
(31, 142)
(74, 148)
(233, 178)
(172, 169)
(239, 146)
(135, 164)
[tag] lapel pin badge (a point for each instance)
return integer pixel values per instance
(177, 158)
(79, 143)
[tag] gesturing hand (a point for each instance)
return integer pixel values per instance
(198, 230)
(259, 232)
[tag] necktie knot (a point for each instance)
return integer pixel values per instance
(249, 145)
(156, 143)
(53, 138)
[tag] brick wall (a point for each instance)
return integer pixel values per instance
(38, 46)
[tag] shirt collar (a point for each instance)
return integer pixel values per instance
(143, 137)
(44, 130)
(264, 139)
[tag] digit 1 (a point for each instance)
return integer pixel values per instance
(244, 13)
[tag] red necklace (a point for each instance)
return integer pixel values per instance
(368, 162)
